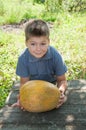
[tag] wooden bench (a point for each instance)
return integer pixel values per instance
(70, 116)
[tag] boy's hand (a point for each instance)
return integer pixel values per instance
(62, 99)
(18, 104)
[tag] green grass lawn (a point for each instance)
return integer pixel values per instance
(68, 35)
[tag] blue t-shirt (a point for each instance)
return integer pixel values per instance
(46, 68)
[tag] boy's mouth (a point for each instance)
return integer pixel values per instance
(38, 53)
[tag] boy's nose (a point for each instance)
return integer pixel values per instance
(38, 47)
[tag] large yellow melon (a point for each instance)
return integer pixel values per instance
(39, 96)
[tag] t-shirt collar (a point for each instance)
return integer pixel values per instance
(47, 56)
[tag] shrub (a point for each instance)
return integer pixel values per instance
(74, 5)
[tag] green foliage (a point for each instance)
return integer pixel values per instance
(14, 12)
(5, 85)
(69, 36)
(75, 5)
(9, 50)
(69, 5)
(53, 6)
(2, 9)
(38, 1)
(48, 16)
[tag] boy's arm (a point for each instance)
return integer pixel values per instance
(23, 80)
(62, 83)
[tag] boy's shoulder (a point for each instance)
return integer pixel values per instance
(24, 55)
(24, 52)
(53, 50)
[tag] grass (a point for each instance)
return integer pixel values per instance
(8, 50)
(68, 35)
(12, 14)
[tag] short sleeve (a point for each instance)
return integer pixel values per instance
(22, 69)
(60, 66)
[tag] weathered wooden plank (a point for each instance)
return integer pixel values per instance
(72, 84)
(57, 116)
(23, 127)
(77, 84)
(66, 108)
(71, 116)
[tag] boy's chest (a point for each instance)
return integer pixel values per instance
(41, 67)
(43, 70)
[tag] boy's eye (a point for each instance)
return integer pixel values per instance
(43, 43)
(32, 44)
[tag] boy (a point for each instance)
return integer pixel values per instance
(40, 61)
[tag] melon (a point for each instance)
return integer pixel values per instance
(39, 96)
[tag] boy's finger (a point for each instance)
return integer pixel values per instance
(62, 95)
(59, 105)
(62, 102)
(15, 105)
(22, 108)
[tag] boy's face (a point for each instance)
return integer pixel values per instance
(38, 45)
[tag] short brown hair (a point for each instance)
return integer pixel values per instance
(36, 28)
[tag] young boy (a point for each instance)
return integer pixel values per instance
(40, 61)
